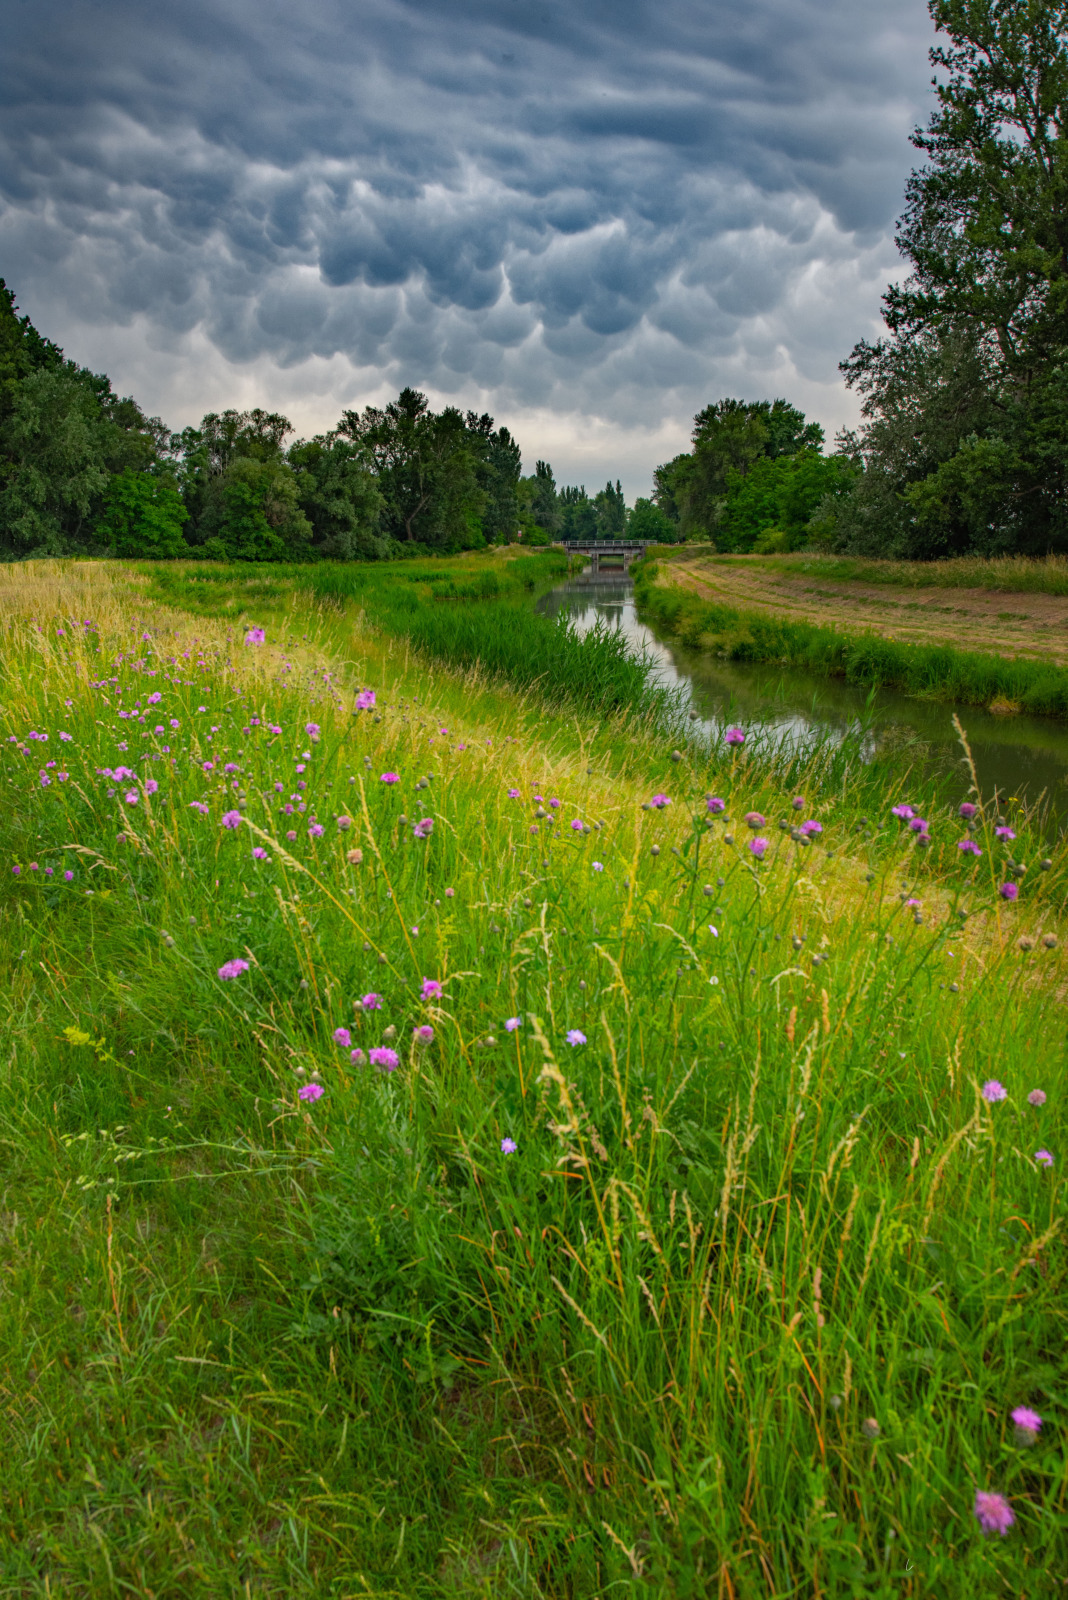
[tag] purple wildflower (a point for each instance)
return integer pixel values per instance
(291, 835)
(508, 1146)
(811, 829)
(969, 847)
(512, 1024)
(423, 828)
(758, 847)
(966, 809)
(255, 636)
(231, 819)
(17, 871)
(1027, 1424)
(313, 730)
(598, 866)
(310, 1092)
(993, 1512)
(68, 876)
(1037, 1097)
(423, 1034)
(575, 1036)
(259, 853)
(513, 794)
(735, 736)
(716, 806)
(365, 700)
(993, 1091)
(315, 830)
(357, 1056)
(902, 812)
(431, 989)
(371, 1002)
(1008, 891)
(343, 1037)
(234, 968)
(131, 797)
(918, 825)
(390, 777)
(754, 820)
(798, 802)
(659, 801)
(382, 1056)
(1004, 833)
(576, 825)
(1044, 1158)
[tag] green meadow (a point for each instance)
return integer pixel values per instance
(463, 1135)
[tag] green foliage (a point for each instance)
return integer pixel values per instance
(647, 521)
(729, 437)
(965, 436)
(611, 512)
(778, 495)
(252, 513)
(340, 498)
(142, 516)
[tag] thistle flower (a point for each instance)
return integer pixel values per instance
(902, 812)
(1004, 833)
(598, 866)
(312, 729)
(512, 1024)
(811, 830)
(969, 847)
(1026, 1423)
(513, 794)
(754, 820)
(966, 810)
(255, 636)
(992, 1091)
(382, 1056)
(993, 1512)
(315, 830)
(390, 777)
(231, 819)
(423, 1034)
(715, 805)
(1009, 891)
(234, 968)
(1037, 1097)
(423, 828)
(576, 825)
(431, 989)
(735, 736)
(758, 847)
(310, 1092)
(365, 700)
(343, 1037)
(659, 801)
(259, 853)
(1044, 1158)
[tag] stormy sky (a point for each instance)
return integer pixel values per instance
(589, 218)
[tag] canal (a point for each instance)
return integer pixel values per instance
(1015, 757)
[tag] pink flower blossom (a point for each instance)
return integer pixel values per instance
(575, 1036)
(255, 636)
(1037, 1097)
(512, 1024)
(508, 1146)
(716, 806)
(811, 830)
(1027, 1423)
(382, 1056)
(513, 794)
(310, 1092)
(231, 819)
(371, 1002)
(1008, 891)
(234, 968)
(969, 847)
(343, 1037)
(659, 801)
(259, 853)
(902, 812)
(758, 847)
(754, 820)
(313, 730)
(966, 810)
(1044, 1158)
(423, 828)
(365, 700)
(315, 830)
(431, 989)
(1004, 833)
(390, 777)
(735, 736)
(423, 1034)
(992, 1091)
(993, 1512)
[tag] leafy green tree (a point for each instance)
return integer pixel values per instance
(647, 521)
(611, 511)
(22, 350)
(426, 469)
(965, 404)
(498, 463)
(578, 514)
(252, 513)
(340, 498)
(142, 516)
(728, 437)
(770, 506)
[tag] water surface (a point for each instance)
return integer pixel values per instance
(1023, 757)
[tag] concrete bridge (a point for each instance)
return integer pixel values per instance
(605, 550)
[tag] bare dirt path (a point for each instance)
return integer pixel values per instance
(1005, 624)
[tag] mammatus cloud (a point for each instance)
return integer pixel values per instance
(588, 218)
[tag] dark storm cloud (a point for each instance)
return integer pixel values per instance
(609, 209)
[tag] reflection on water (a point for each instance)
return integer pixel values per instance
(1014, 756)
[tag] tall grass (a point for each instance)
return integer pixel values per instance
(1013, 574)
(933, 671)
(745, 1311)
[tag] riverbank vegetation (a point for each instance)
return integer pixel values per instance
(454, 1145)
(865, 653)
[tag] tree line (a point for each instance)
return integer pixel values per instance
(962, 446)
(83, 471)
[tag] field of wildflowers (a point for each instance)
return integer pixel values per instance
(456, 1143)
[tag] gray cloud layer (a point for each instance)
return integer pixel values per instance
(591, 218)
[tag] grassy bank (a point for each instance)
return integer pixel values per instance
(933, 671)
(1009, 574)
(714, 1274)
(472, 612)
